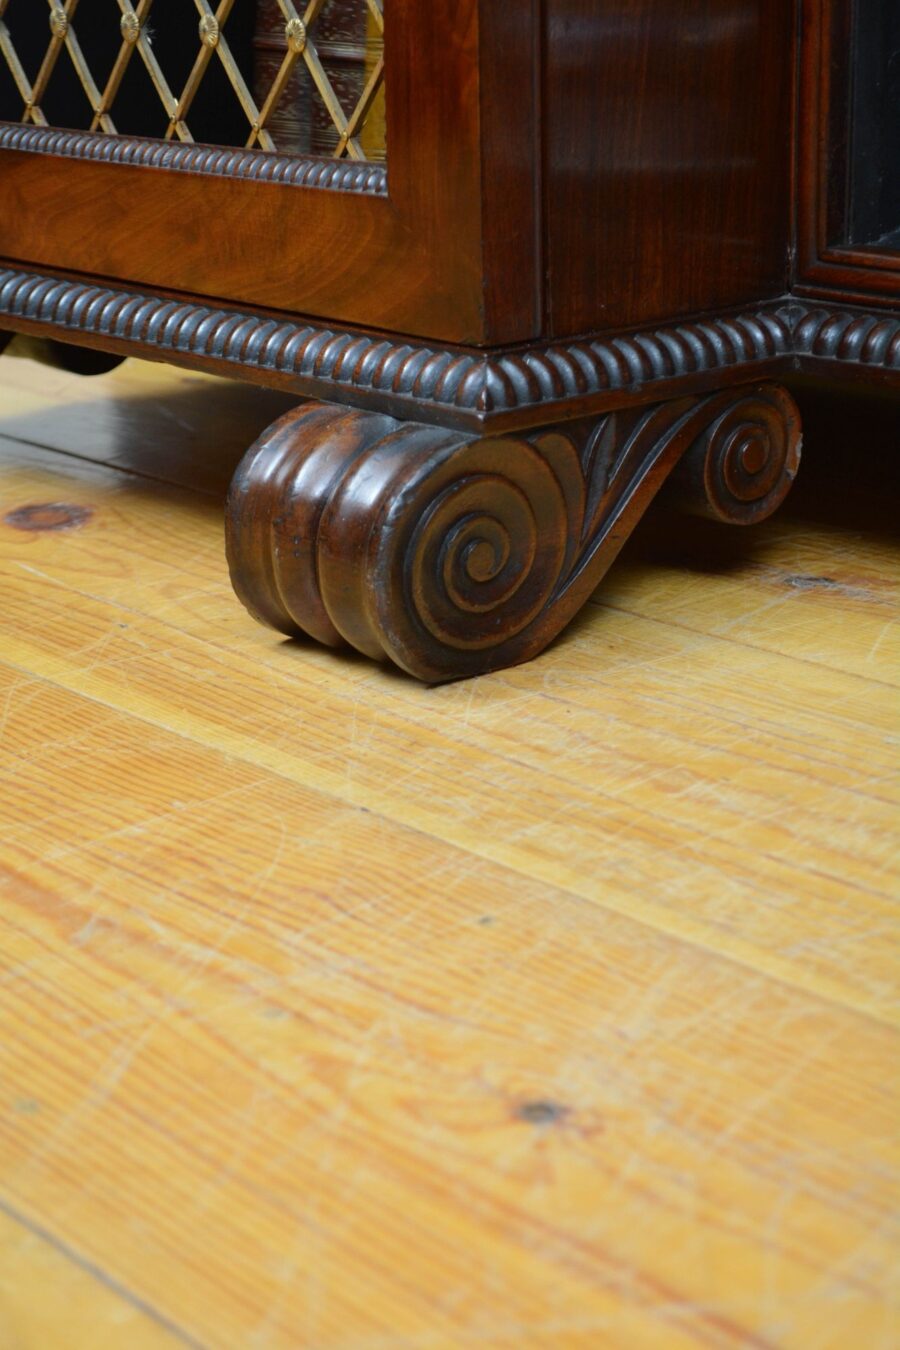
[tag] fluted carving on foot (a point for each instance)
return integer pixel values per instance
(454, 555)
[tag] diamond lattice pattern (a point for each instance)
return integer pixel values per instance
(309, 55)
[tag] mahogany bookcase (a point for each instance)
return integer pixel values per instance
(603, 235)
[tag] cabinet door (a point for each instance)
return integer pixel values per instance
(233, 151)
(849, 209)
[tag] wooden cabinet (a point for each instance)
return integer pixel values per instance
(561, 251)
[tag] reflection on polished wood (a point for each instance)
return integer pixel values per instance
(553, 1009)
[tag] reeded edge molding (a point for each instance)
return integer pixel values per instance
(462, 386)
(338, 175)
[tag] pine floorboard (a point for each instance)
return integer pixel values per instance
(553, 1009)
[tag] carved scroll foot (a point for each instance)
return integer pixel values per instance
(454, 555)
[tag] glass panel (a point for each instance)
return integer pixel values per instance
(865, 125)
(294, 79)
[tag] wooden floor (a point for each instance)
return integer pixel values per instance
(552, 1009)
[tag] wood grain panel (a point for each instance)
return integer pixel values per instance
(667, 157)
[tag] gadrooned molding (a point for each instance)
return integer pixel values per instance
(828, 334)
(338, 175)
(480, 386)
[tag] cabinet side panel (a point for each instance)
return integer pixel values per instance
(509, 78)
(667, 157)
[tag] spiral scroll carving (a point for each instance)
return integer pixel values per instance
(742, 467)
(476, 543)
(453, 555)
(398, 538)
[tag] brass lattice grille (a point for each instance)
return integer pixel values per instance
(307, 79)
